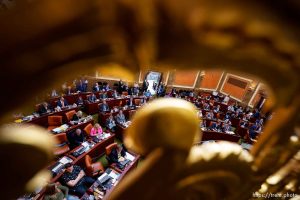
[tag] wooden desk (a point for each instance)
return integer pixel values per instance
(97, 150)
(213, 135)
(128, 168)
(72, 98)
(92, 108)
(43, 119)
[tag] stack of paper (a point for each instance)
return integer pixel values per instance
(129, 156)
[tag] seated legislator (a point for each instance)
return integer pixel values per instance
(104, 107)
(62, 103)
(80, 101)
(44, 108)
(209, 115)
(75, 178)
(76, 138)
(106, 87)
(96, 131)
(115, 94)
(216, 109)
(206, 106)
(55, 191)
(77, 116)
(226, 127)
(131, 103)
(116, 155)
(110, 123)
(92, 98)
(120, 118)
(215, 126)
(103, 95)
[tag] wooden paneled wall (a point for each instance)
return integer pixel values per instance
(210, 79)
(238, 87)
(185, 78)
(235, 86)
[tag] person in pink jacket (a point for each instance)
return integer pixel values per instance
(96, 130)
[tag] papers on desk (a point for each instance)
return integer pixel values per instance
(127, 124)
(114, 175)
(85, 144)
(129, 156)
(60, 129)
(230, 132)
(105, 135)
(28, 118)
(64, 160)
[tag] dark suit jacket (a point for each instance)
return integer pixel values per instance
(76, 140)
(60, 105)
(104, 108)
(42, 109)
(92, 99)
(113, 156)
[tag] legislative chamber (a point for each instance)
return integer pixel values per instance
(89, 115)
(149, 100)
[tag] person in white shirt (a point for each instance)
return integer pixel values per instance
(226, 99)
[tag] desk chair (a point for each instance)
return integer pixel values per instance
(54, 121)
(93, 169)
(70, 114)
(108, 150)
(62, 146)
(137, 102)
(87, 129)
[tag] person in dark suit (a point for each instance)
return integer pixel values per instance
(110, 123)
(85, 85)
(131, 103)
(120, 86)
(216, 126)
(103, 95)
(130, 91)
(104, 107)
(145, 85)
(252, 131)
(96, 88)
(92, 98)
(79, 86)
(62, 103)
(44, 108)
(80, 101)
(116, 154)
(115, 94)
(77, 116)
(76, 138)
(120, 118)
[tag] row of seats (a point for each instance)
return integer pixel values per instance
(55, 121)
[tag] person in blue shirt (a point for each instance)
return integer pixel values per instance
(104, 107)
(147, 94)
(92, 98)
